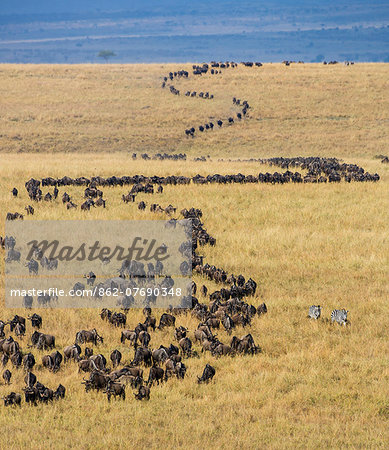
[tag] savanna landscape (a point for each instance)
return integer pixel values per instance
(314, 383)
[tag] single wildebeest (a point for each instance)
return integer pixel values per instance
(144, 338)
(180, 333)
(262, 309)
(142, 355)
(60, 392)
(115, 389)
(31, 394)
(105, 314)
(42, 341)
(2, 325)
(160, 355)
(314, 312)
(143, 393)
(45, 394)
(28, 361)
(150, 322)
(166, 320)
(20, 329)
(30, 379)
(222, 349)
(98, 361)
(33, 267)
(16, 320)
(13, 256)
(30, 210)
(28, 300)
(4, 360)
(57, 360)
(156, 374)
(16, 359)
(88, 352)
(7, 376)
(47, 362)
(116, 357)
(118, 319)
(129, 335)
(97, 380)
(90, 278)
(12, 399)
(186, 346)
(9, 346)
(14, 192)
(84, 336)
(36, 320)
(72, 352)
(208, 374)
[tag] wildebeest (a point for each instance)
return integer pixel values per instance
(72, 352)
(115, 389)
(90, 278)
(15, 321)
(180, 333)
(116, 357)
(160, 355)
(42, 341)
(130, 335)
(143, 393)
(28, 301)
(30, 210)
(12, 399)
(245, 345)
(144, 338)
(30, 379)
(28, 361)
(60, 392)
(97, 380)
(186, 346)
(7, 376)
(36, 321)
(16, 359)
(47, 362)
(156, 374)
(12, 256)
(166, 320)
(208, 374)
(57, 360)
(9, 346)
(84, 336)
(142, 355)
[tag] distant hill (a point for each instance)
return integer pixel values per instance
(55, 31)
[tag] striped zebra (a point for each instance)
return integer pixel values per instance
(340, 316)
(314, 312)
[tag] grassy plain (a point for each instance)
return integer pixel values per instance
(315, 385)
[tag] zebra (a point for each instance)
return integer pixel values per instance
(340, 316)
(314, 312)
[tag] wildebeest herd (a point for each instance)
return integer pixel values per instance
(228, 307)
(318, 170)
(214, 68)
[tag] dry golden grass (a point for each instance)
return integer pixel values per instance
(333, 110)
(315, 385)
